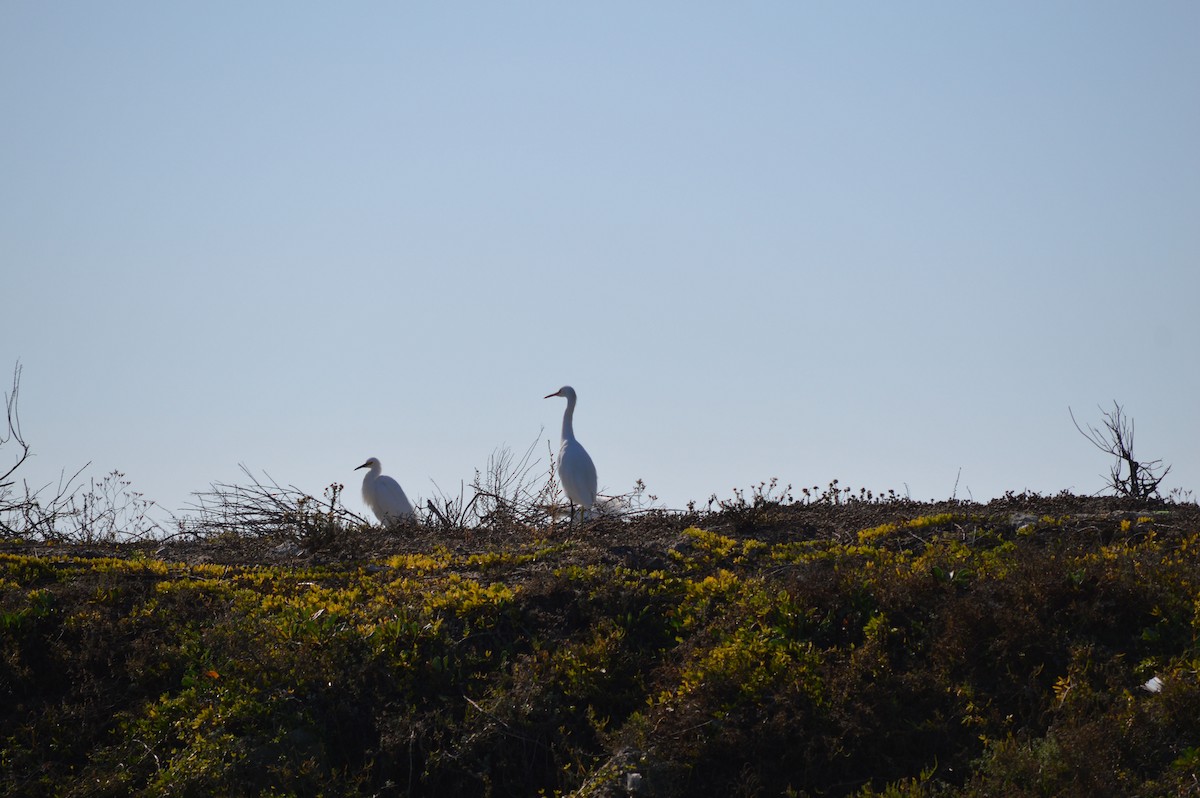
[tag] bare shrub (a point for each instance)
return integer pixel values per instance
(266, 509)
(449, 512)
(40, 513)
(635, 502)
(12, 434)
(105, 511)
(508, 493)
(108, 511)
(1128, 476)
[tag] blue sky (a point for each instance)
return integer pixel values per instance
(877, 242)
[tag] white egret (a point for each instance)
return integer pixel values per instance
(575, 467)
(383, 494)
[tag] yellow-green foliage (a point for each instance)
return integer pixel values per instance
(758, 641)
(710, 548)
(874, 534)
(421, 563)
(946, 654)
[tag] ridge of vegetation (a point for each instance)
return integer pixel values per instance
(769, 647)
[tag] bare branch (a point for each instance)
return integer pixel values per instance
(264, 508)
(13, 432)
(1128, 476)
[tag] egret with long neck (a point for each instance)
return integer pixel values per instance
(384, 495)
(575, 467)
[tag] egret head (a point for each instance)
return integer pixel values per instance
(566, 391)
(372, 462)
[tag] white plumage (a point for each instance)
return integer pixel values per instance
(384, 495)
(575, 467)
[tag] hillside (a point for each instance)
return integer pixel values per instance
(827, 648)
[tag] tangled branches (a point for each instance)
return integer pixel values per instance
(107, 511)
(1128, 476)
(266, 509)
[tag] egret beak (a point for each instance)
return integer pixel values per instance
(547, 396)
(364, 465)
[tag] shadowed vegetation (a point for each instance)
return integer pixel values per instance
(836, 646)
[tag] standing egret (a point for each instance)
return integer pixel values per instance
(384, 495)
(575, 467)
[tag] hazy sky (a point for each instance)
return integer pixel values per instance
(880, 242)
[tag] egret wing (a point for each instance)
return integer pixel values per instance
(578, 473)
(390, 499)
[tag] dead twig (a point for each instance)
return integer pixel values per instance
(1128, 476)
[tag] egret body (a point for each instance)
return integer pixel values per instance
(384, 495)
(575, 467)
